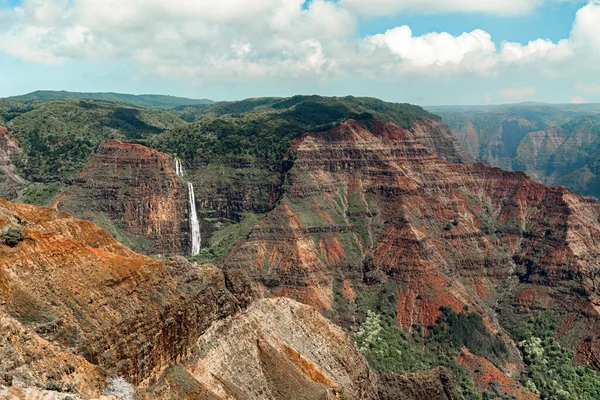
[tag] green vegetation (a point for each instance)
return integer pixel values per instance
(145, 100)
(136, 243)
(225, 238)
(39, 194)
(388, 348)
(551, 372)
(13, 235)
(467, 330)
(268, 126)
(58, 137)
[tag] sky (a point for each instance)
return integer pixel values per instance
(427, 52)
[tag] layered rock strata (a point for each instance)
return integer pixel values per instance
(133, 191)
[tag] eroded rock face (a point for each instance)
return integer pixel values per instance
(78, 311)
(69, 292)
(281, 349)
(10, 182)
(133, 190)
(365, 205)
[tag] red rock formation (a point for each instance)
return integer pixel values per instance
(76, 308)
(137, 191)
(485, 374)
(71, 284)
(370, 204)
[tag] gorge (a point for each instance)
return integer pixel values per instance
(368, 212)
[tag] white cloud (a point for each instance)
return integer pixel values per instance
(471, 50)
(577, 100)
(535, 50)
(231, 40)
(517, 93)
(502, 7)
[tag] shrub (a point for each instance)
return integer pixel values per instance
(13, 235)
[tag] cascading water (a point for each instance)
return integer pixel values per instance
(194, 223)
(178, 168)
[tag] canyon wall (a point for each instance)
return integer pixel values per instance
(365, 205)
(133, 192)
(79, 312)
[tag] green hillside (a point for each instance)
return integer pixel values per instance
(144, 100)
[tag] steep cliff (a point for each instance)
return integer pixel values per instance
(70, 292)
(79, 312)
(365, 205)
(133, 192)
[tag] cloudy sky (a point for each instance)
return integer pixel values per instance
(429, 52)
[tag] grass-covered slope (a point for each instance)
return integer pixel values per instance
(144, 100)
(263, 128)
(58, 137)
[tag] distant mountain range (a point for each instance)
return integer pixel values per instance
(144, 100)
(554, 144)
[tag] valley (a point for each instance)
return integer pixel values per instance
(336, 248)
(554, 144)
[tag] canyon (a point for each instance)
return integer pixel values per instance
(78, 310)
(315, 234)
(553, 144)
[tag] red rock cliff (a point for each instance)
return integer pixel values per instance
(134, 191)
(369, 204)
(71, 284)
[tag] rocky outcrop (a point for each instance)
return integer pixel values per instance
(281, 349)
(70, 292)
(133, 192)
(489, 378)
(79, 312)
(11, 183)
(370, 204)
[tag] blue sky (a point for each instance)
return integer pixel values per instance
(427, 52)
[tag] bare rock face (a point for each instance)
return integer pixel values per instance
(76, 306)
(10, 182)
(286, 349)
(368, 204)
(83, 317)
(281, 349)
(132, 190)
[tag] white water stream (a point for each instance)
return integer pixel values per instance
(194, 222)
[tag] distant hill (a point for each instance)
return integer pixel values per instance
(144, 100)
(555, 144)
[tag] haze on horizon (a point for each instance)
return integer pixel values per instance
(428, 52)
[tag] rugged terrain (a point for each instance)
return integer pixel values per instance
(367, 211)
(369, 206)
(78, 311)
(553, 144)
(134, 193)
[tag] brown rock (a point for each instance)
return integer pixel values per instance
(137, 190)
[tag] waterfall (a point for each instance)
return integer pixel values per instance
(178, 168)
(194, 224)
